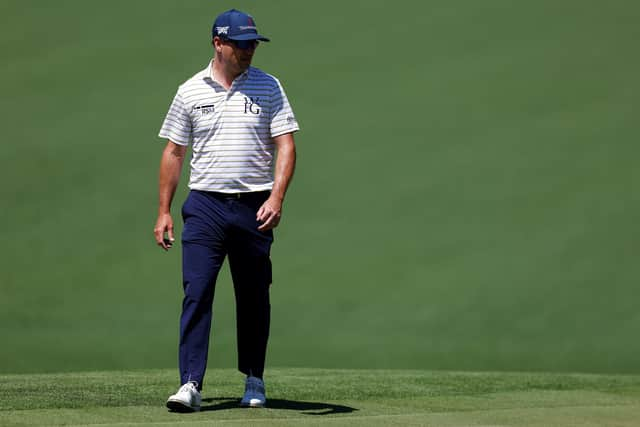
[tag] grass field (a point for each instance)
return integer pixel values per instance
(327, 397)
(465, 200)
(464, 197)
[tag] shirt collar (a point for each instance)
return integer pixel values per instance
(208, 72)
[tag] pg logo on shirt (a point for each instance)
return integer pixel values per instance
(251, 105)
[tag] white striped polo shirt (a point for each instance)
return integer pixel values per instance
(231, 132)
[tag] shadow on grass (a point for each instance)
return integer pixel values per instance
(307, 408)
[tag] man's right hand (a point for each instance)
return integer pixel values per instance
(170, 167)
(164, 224)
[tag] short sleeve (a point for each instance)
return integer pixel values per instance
(177, 124)
(282, 118)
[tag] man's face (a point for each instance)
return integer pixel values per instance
(237, 54)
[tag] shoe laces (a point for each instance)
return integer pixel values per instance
(255, 385)
(189, 387)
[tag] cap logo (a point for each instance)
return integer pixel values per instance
(222, 30)
(247, 27)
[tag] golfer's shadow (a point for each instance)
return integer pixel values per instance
(307, 408)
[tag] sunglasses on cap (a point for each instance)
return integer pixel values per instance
(243, 44)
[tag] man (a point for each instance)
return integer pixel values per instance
(236, 119)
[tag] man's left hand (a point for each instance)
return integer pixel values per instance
(269, 214)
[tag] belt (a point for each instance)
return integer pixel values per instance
(238, 196)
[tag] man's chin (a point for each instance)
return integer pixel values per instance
(242, 66)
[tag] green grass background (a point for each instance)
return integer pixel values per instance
(466, 192)
(312, 397)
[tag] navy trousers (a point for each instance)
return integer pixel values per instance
(217, 226)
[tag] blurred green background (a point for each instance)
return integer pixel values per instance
(466, 193)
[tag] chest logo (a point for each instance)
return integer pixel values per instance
(251, 105)
(203, 109)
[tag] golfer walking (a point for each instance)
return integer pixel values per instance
(239, 124)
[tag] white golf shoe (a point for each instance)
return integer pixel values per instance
(187, 399)
(253, 393)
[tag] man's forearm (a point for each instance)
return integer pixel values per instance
(285, 166)
(170, 169)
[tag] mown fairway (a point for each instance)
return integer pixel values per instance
(327, 397)
(465, 197)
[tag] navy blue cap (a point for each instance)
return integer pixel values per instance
(236, 25)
